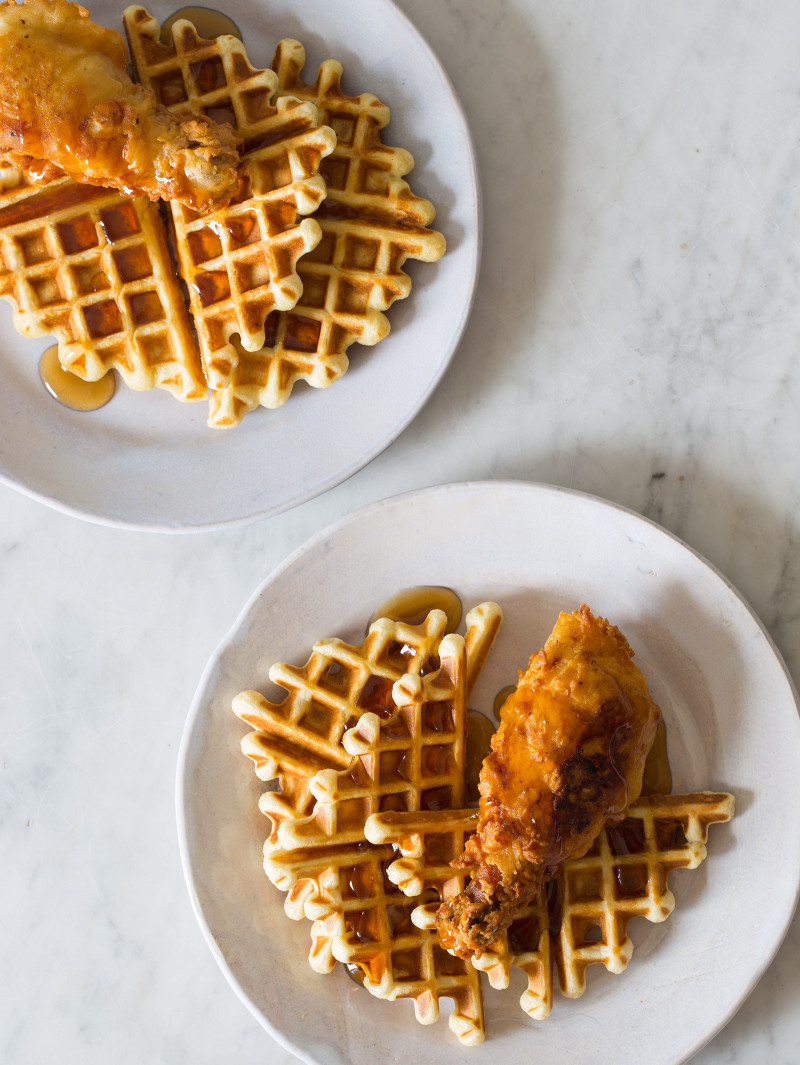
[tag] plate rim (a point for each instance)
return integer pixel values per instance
(359, 462)
(330, 531)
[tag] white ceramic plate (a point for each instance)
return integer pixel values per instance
(732, 721)
(150, 462)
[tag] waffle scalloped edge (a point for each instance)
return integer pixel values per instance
(426, 843)
(336, 878)
(407, 759)
(625, 875)
(91, 267)
(358, 919)
(293, 739)
(371, 223)
(239, 262)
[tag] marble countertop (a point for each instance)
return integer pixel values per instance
(636, 335)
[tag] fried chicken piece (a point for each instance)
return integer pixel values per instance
(68, 105)
(566, 760)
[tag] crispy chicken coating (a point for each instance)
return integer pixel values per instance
(68, 105)
(566, 760)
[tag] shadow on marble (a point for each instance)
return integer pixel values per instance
(752, 541)
(507, 87)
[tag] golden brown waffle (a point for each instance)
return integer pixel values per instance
(92, 268)
(410, 760)
(625, 875)
(426, 844)
(371, 223)
(525, 945)
(239, 262)
(588, 908)
(366, 855)
(295, 738)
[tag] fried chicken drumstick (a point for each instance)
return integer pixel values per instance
(68, 105)
(566, 760)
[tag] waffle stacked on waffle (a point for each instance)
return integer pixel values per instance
(239, 262)
(370, 224)
(368, 815)
(409, 755)
(411, 760)
(426, 844)
(92, 268)
(295, 738)
(582, 918)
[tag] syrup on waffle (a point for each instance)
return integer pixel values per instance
(426, 844)
(410, 760)
(403, 695)
(578, 920)
(92, 267)
(371, 223)
(624, 875)
(366, 854)
(239, 262)
(295, 738)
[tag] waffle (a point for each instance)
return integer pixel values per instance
(624, 875)
(239, 262)
(410, 760)
(426, 844)
(363, 845)
(297, 737)
(370, 222)
(294, 739)
(586, 911)
(92, 268)
(526, 945)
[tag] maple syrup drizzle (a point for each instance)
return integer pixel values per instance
(627, 837)
(376, 697)
(356, 973)
(524, 934)
(69, 390)
(657, 775)
(500, 698)
(554, 900)
(479, 734)
(412, 606)
(208, 22)
(302, 334)
(440, 798)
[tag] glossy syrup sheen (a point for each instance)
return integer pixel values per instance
(479, 734)
(71, 391)
(376, 697)
(657, 775)
(412, 605)
(208, 22)
(42, 203)
(501, 697)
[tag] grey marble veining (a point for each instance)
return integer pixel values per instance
(636, 335)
